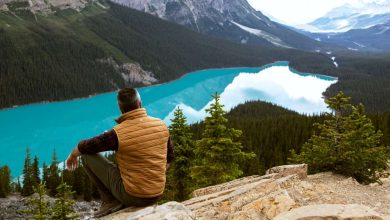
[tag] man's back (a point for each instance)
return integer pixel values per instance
(142, 153)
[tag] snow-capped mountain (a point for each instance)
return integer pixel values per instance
(347, 17)
(375, 38)
(234, 20)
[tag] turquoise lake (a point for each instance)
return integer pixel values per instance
(61, 125)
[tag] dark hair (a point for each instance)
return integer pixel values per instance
(128, 99)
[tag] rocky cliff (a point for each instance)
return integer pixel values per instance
(235, 20)
(43, 6)
(285, 192)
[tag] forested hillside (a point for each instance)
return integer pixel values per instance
(271, 132)
(63, 55)
(365, 78)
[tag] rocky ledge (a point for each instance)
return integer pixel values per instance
(285, 192)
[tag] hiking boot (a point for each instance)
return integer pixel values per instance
(107, 208)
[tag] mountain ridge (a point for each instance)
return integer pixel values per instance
(348, 17)
(230, 20)
(372, 39)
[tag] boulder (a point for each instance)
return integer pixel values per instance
(262, 199)
(170, 210)
(286, 170)
(330, 211)
(267, 207)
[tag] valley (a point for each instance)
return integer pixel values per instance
(70, 54)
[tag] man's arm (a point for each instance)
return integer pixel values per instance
(104, 142)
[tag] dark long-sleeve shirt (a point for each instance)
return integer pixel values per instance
(109, 141)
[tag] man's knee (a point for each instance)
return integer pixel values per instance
(91, 159)
(86, 158)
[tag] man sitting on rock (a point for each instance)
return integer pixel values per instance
(143, 153)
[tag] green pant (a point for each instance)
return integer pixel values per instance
(106, 176)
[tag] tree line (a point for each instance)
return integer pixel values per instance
(51, 175)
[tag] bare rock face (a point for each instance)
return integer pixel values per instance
(44, 6)
(286, 170)
(170, 210)
(3, 2)
(255, 197)
(285, 192)
(66, 4)
(3, 7)
(132, 73)
(331, 211)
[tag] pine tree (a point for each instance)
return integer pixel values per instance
(179, 174)
(35, 173)
(63, 207)
(27, 175)
(347, 143)
(77, 183)
(18, 187)
(5, 181)
(45, 173)
(219, 153)
(53, 176)
(39, 210)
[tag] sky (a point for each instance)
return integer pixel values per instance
(296, 12)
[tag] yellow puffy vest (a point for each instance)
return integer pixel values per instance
(142, 153)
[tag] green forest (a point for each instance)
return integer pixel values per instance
(365, 78)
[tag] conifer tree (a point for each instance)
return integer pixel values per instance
(347, 143)
(39, 210)
(5, 181)
(219, 153)
(27, 175)
(18, 187)
(63, 207)
(179, 174)
(35, 173)
(53, 177)
(45, 173)
(78, 179)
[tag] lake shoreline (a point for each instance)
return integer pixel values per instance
(167, 82)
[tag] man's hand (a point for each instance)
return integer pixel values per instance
(71, 162)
